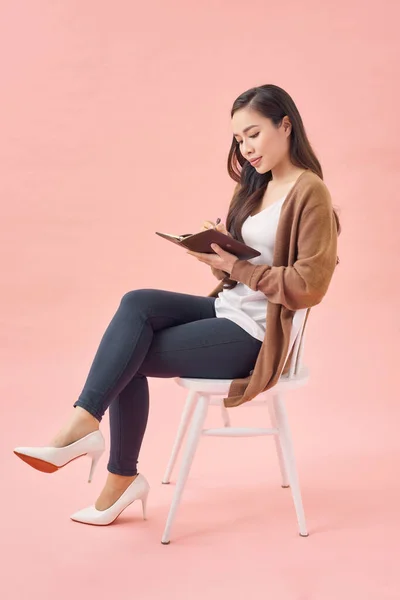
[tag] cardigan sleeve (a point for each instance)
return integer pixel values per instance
(306, 282)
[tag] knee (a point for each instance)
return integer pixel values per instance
(138, 297)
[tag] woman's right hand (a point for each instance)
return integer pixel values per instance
(220, 227)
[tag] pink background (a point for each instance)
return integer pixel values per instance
(114, 124)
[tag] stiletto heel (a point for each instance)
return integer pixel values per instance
(95, 456)
(144, 504)
(138, 490)
(48, 459)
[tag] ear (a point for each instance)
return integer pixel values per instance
(287, 126)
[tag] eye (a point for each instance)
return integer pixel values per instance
(251, 136)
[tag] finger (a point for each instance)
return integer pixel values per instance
(195, 254)
(222, 229)
(205, 258)
(202, 257)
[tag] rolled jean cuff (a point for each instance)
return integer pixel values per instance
(122, 472)
(89, 408)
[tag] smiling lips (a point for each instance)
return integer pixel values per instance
(255, 160)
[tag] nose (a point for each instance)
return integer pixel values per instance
(247, 152)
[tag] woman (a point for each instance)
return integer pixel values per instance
(159, 333)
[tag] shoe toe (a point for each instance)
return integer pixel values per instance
(90, 516)
(23, 450)
(84, 514)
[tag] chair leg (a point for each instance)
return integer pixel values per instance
(278, 445)
(183, 425)
(194, 434)
(225, 415)
(290, 464)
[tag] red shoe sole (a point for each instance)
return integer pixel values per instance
(42, 465)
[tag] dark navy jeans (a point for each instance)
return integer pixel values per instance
(158, 333)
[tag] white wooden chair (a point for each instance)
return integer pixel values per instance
(206, 392)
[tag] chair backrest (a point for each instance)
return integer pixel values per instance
(297, 343)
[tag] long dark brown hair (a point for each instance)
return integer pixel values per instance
(273, 103)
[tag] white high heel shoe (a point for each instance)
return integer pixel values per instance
(48, 459)
(138, 490)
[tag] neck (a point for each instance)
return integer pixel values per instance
(285, 173)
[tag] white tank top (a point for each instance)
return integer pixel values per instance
(243, 305)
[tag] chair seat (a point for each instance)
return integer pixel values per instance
(221, 386)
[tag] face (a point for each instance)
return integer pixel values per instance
(263, 140)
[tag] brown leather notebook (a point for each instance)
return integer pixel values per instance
(201, 242)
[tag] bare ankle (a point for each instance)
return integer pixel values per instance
(119, 480)
(81, 414)
(80, 424)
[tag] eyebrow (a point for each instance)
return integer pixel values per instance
(247, 128)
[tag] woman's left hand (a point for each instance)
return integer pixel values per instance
(221, 260)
